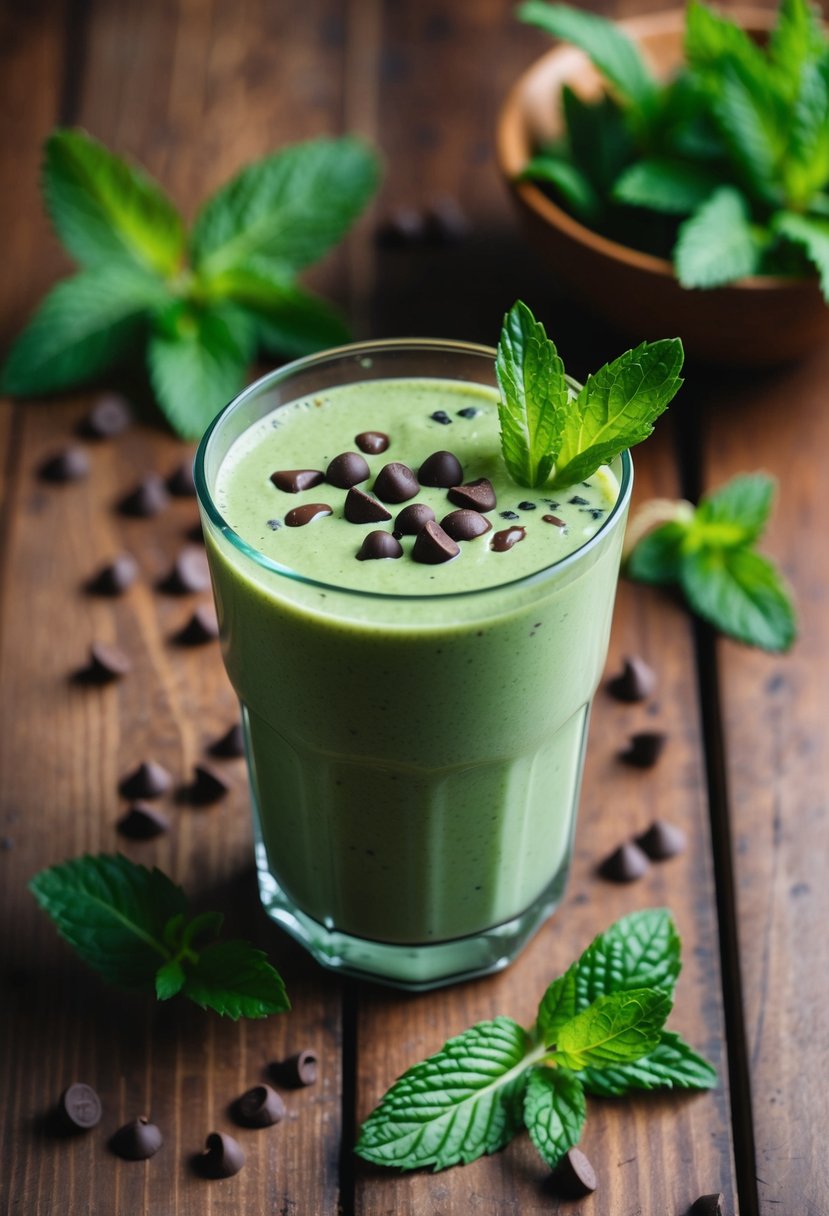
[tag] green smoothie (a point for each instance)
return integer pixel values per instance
(415, 724)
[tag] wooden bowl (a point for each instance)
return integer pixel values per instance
(756, 321)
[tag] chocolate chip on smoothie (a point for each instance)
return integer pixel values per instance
(208, 786)
(110, 415)
(181, 483)
(662, 840)
(526, 505)
(222, 1157)
(433, 546)
(297, 1070)
(644, 749)
(476, 495)
(114, 578)
(142, 822)
(379, 545)
(440, 469)
(260, 1106)
(148, 780)
(635, 682)
(625, 864)
(509, 515)
(79, 1108)
(464, 524)
(361, 508)
(574, 1176)
(506, 538)
(149, 498)
(470, 411)
(442, 417)
(555, 520)
(298, 517)
(70, 464)
(202, 627)
(190, 573)
(137, 1140)
(708, 1205)
(106, 663)
(230, 745)
(347, 470)
(578, 501)
(395, 483)
(372, 442)
(293, 481)
(411, 519)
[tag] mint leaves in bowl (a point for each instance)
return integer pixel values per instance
(673, 169)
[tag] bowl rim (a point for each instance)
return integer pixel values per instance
(510, 131)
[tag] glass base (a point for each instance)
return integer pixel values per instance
(415, 968)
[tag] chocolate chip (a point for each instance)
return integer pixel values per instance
(464, 524)
(574, 1176)
(148, 780)
(208, 786)
(70, 464)
(506, 538)
(293, 481)
(708, 1205)
(476, 495)
(110, 416)
(411, 519)
(402, 226)
(260, 1106)
(106, 663)
(433, 546)
(509, 515)
(298, 517)
(440, 469)
(190, 573)
(555, 520)
(361, 508)
(442, 417)
(526, 506)
(297, 1070)
(379, 545)
(635, 682)
(222, 1157)
(231, 745)
(662, 840)
(181, 483)
(142, 822)
(577, 501)
(446, 223)
(395, 483)
(201, 627)
(136, 1141)
(347, 470)
(147, 499)
(625, 864)
(644, 749)
(79, 1108)
(372, 442)
(115, 578)
(470, 411)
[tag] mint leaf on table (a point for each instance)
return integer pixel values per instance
(737, 513)
(718, 244)
(558, 1005)
(641, 950)
(671, 1065)
(657, 558)
(613, 1029)
(287, 319)
(130, 924)
(554, 1112)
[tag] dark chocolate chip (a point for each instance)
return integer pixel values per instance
(577, 501)
(347, 470)
(625, 864)
(70, 464)
(274, 524)
(440, 469)
(79, 1108)
(231, 745)
(509, 515)
(148, 780)
(298, 517)
(477, 495)
(395, 483)
(372, 442)
(201, 627)
(635, 682)
(142, 822)
(181, 483)
(222, 1157)
(260, 1106)
(506, 538)
(526, 506)
(442, 417)
(411, 519)
(433, 546)
(555, 520)
(470, 411)
(361, 508)
(110, 416)
(574, 1176)
(208, 786)
(708, 1205)
(106, 663)
(136, 1141)
(402, 226)
(644, 749)
(464, 524)
(446, 223)
(379, 545)
(115, 578)
(147, 499)
(293, 481)
(297, 1070)
(662, 840)
(190, 573)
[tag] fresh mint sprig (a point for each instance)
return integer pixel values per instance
(131, 925)
(599, 1029)
(200, 304)
(710, 554)
(553, 436)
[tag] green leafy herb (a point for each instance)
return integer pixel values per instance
(709, 553)
(203, 304)
(599, 1029)
(130, 924)
(549, 433)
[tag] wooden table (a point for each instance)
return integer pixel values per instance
(194, 88)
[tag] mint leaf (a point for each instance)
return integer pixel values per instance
(235, 979)
(674, 187)
(805, 167)
(106, 210)
(671, 1065)
(600, 143)
(812, 235)
(558, 1006)
(639, 951)
(796, 41)
(287, 319)
(734, 515)
(753, 127)
(657, 557)
(462, 1102)
(169, 980)
(534, 397)
(712, 38)
(554, 1112)
(717, 244)
(613, 1029)
(569, 181)
(740, 593)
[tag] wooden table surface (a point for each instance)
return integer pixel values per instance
(193, 89)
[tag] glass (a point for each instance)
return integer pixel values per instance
(414, 761)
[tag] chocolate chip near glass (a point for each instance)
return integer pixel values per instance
(298, 517)
(644, 748)
(625, 864)
(395, 483)
(114, 578)
(79, 1107)
(110, 415)
(372, 442)
(297, 1070)
(106, 664)
(411, 519)
(476, 495)
(208, 786)
(464, 524)
(148, 780)
(70, 464)
(347, 470)
(230, 745)
(293, 481)
(137, 1140)
(433, 546)
(574, 1176)
(142, 822)
(222, 1157)
(190, 573)
(708, 1205)
(149, 498)
(361, 508)
(378, 546)
(260, 1106)
(506, 538)
(662, 840)
(635, 682)
(440, 469)
(202, 627)
(181, 482)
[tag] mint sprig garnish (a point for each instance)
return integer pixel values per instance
(599, 1029)
(130, 924)
(200, 305)
(552, 436)
(710, 554)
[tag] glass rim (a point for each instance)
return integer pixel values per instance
(351, 351)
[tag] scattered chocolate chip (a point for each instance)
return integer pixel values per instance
(148, 780)
(442, 417)
(142, 822)
(106, 663)
(402, 226)
(555, 520)
(298, 517)
(446, 223)
(662, 840)
(577, 501)
(625, 864)
(506, 538)
(208, 786)
(115, 578)
(708, 1205)
(190, 573)
(201, 627)
(372, 442)
(181, 483)
(574, 1176)
(70, 464)
(644, 749)
(274, 524)
(395, 483)
(411, 519)
(293, 481)
(110, 416)
(347, 470)
(526, 506)
(635, 682)
(136, 1141)
(222, 1157)
(260, 1106)
(464, 524)
(469, 411)
(379, 545)
(361, 508)
(147, 499)
(432, 545)
(440, 469)
(477, 495)
(297, 1070)
(231, 745)
(79, 1108)
(509, 515)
